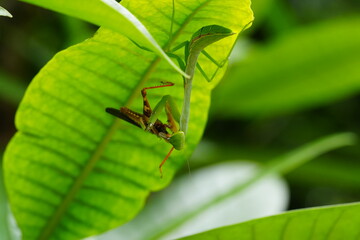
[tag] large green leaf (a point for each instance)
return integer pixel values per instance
(72, 170)
(330, 223)
(308, 67)
(112, 15)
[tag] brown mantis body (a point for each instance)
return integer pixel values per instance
(148, 120)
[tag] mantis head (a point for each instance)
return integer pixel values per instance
(208, 35)
(177, 140)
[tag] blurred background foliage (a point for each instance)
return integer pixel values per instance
(294, 77)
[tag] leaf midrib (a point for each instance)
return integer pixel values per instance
(63, 206)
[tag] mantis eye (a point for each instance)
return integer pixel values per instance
(178, 140)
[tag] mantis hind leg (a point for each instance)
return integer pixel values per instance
(163, 161)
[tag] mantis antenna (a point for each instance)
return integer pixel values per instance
(172, 20)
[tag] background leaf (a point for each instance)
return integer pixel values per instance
(336, 222)
(4, 12)
(72, 170)
(325, 172)
(306, 68)
(269, 196)
(191, 212)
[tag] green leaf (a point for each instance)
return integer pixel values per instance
(306, 68)
(72, 170)
(4, 12)
(330, 223)
(112, 15)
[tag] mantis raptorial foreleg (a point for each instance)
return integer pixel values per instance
(171, 110)
(220, 65)
(183, 65)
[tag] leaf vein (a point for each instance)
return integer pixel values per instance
(109, 59)
(58, 153)
(80, 90)
(336, 221)
(32, 212)
(164, 14)
(135, 169)
(34, 198)
(97, 90)
(76, 108)
(76, 219)
(71, 231)
(45, 165)
(285, 227)
(62, 123)
(106, 191)
(103, 211)
(133, 53)
(105, 172)
(39, 184)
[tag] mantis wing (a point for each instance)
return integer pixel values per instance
(117, 113)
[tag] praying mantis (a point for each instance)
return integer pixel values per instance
(149, 121)
(174, 131)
